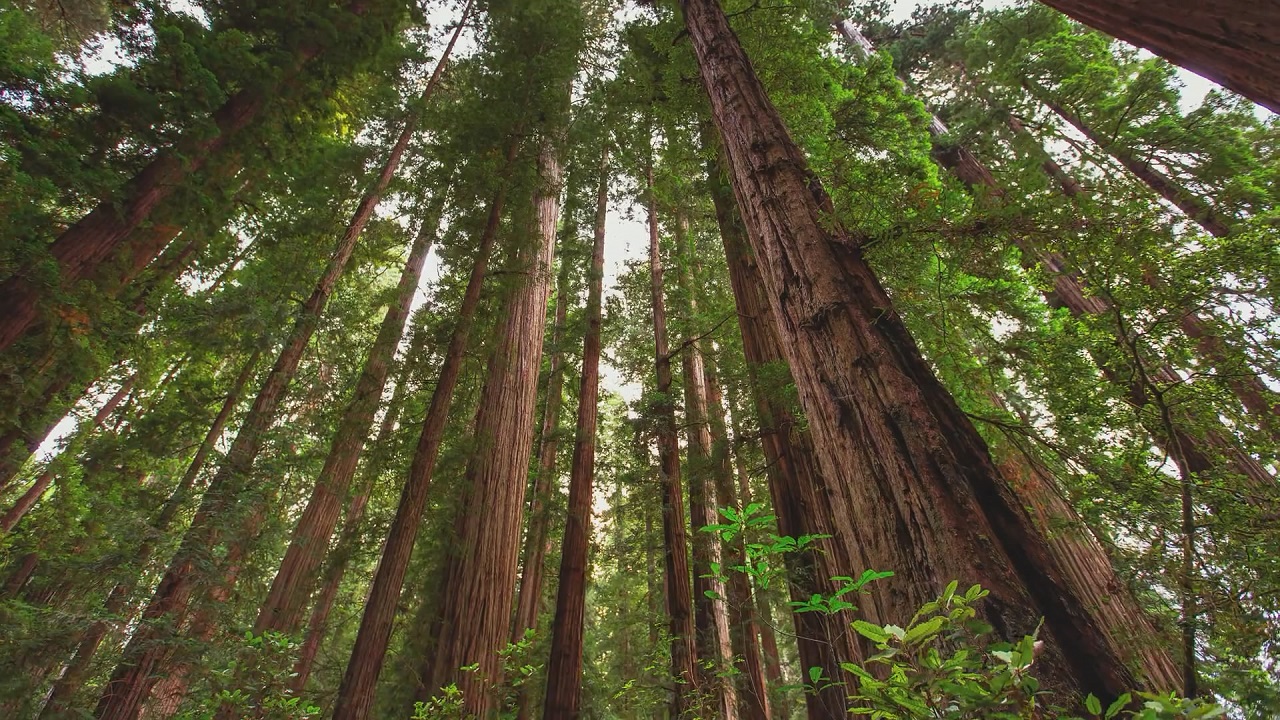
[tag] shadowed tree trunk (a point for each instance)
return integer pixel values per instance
(1232, 43)
(480, 570)
(355, 694)
(679, 594)
(563, 697)
(929, 501)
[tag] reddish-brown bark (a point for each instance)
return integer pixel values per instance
(282, 609)
(480, 570)
(355, 694)
(563, 697)
(927, 498)
(189, 576)
(679, 594)
(1232, 43)
(106, 233)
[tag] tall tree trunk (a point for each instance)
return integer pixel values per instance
(105, 235)
(223, 515)
(339, 560)
(679, 594)
(707, 609)
(930, 503)
(284, 604)
(119, 600)
(1232, 43)
(355, 694)
(529, 598)
(480, 572)
(804, 501)
(753, 697)
(563, 699)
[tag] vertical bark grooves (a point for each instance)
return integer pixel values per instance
(805, 503)
(930, 503)
(563, 697)
(1230, 43)
(753, 698)
(152, 646)
(355, 694)
(679, 594)
(118, 601)
(480, 571)
(283, 607)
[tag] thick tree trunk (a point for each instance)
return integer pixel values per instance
(480, 571)
(753, 698)
(349, 537)
(223, 516)
(283, 607)
(679, 594)
(106, 234)
(119, 600)
(805, 503)
(355, 694)
(1232, 43)
(563, 699)
(929, 501)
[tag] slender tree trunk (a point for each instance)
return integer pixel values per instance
(480, 572)
(679, 594)
(805, 503)
(118, 601)
(1232, 43)
(106, 234)
(355, 694)
(930, 503)
(753, 697)
(223, 509)
(285, 602)
(563, 698)
(349, 537)
(772, 658)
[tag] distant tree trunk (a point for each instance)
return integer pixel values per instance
(753, 697)
(805, 503)
(118, 601)
(106, 234)
(282, 609)
(480, 571)
(348, 538)
(355, 694)
(42, 482)
(929, 501)
(1232, 43)
(679, 594)
(772, 658)
(222, 516)
(563, 697)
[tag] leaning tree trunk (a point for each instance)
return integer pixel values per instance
(563, 699)
(282, 609)
(119, 600)
(1232, 43)
(105, 235)
(929, 502)
(223, 517)
(679, 594)
(805, 503)
(355, 694)
(480, 571)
